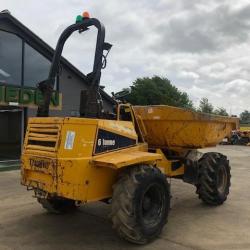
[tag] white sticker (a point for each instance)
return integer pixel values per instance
(150, 110)
(156, 117)
(69, 142)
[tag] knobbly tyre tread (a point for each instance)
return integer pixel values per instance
(57, 206)
(124, 215)
(207, 179)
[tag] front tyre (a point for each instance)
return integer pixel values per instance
(140, 204)
(214, 178)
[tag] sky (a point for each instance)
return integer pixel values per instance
(202, 47)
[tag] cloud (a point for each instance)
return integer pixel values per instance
(189, 75)
(200, 30)
(201, 46)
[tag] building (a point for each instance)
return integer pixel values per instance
(24, 61)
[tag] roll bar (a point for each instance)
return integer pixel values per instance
(93, 78)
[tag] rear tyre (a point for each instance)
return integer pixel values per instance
(57, 205)
(140, 204)
(214, 178)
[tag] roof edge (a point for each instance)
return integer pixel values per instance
(7, 14)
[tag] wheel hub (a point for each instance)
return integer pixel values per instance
(146, 203)
(152, 204)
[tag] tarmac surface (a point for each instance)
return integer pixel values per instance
(191, 225)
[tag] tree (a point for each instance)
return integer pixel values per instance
(221, 111)
(205, 106)
(155, 91)
(245, 116)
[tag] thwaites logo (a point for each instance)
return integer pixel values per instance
(107, 141)
(41, 163)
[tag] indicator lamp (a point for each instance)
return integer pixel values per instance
(78, 18)
(85, 14)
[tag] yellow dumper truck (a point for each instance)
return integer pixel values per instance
(123, 159)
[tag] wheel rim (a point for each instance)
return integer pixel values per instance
(222, 179)
(152, 205)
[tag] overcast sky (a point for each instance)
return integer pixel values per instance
(203, 47)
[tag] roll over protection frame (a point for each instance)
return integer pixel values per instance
(93, 78)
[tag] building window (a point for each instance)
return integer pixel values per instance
(20, 64)
(10, 58)
(36, 67)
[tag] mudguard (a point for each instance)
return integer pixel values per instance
(126, 157)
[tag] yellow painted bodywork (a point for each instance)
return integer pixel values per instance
(60, 155)
(244, 128)
(78, 173)
(180, 129)
(127, 157)
(166, 166)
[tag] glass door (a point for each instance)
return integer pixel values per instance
(11, 127)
